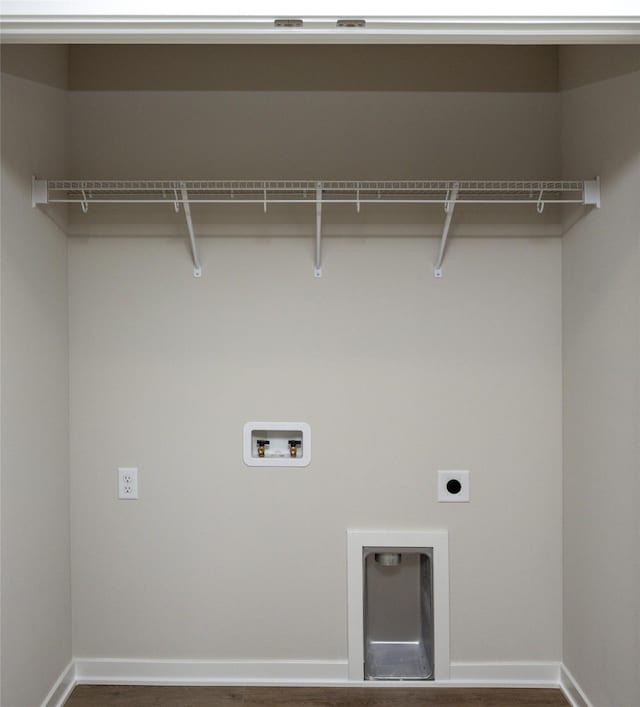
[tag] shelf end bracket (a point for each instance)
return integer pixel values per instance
(39, 191)
(449, 206)
(591, 192)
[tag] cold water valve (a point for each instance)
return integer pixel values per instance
(262, 445)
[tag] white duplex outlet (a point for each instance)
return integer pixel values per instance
(127, 483)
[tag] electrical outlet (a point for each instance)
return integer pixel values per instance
(128, 483)
(453, 486)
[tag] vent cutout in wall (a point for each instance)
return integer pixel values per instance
(398, 613)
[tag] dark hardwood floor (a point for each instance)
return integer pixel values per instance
(138, 696)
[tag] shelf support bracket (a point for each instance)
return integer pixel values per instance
(449, 206)
(317, 264)
(39, 190)
(197, 269)
(591, 192)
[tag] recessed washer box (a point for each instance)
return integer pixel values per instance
(276, 444)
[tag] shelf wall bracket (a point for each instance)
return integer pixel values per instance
(449, 206)
(591, 192)
(317, 264)
(197, 268)
(39, 191)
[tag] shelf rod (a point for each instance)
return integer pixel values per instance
(317, 265)
(292, 185)
(325, 200)
(197, 269)
(449, 207)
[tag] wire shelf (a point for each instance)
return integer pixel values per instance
(305, 191)
(185, 193)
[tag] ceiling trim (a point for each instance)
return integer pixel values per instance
(70, 29)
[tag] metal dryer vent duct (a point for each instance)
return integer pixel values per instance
(388, 559)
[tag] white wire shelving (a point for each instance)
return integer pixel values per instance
(185, 193)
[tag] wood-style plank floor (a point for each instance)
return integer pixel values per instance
(142, 696)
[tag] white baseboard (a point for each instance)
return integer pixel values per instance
(300, 672)
(209, 672)
(504, 674)
(62, 687)
(309, 673)
(572, 690)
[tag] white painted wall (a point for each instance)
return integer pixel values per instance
(36, 599)
(601, 314)
(398, 375)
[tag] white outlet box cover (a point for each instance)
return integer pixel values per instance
(445, 492)
(278, 434)
(127, 483)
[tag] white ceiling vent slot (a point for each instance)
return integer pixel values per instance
(351, 23)
(292, 22)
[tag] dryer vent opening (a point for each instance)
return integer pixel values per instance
(388, 559)
(398, 614)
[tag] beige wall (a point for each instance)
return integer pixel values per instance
(328, 134)
(397, 373)
(36, 600)
(391, 67)
(601, 312)
(165, 369)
